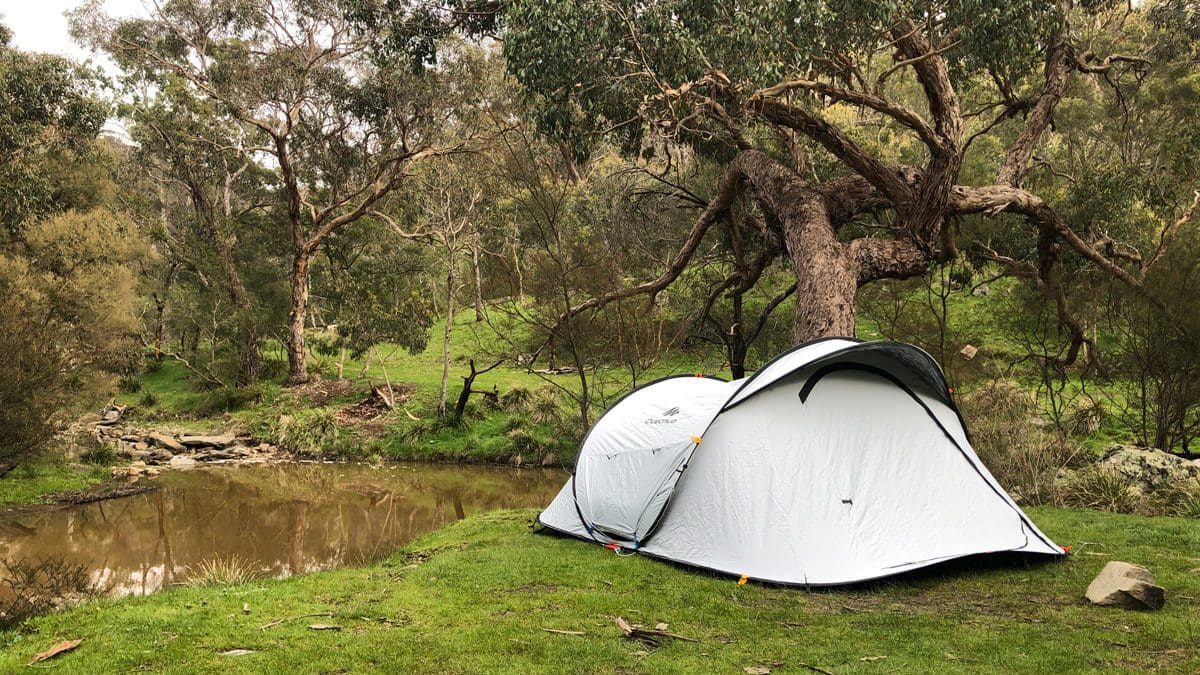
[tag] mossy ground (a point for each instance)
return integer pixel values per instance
(478, 597)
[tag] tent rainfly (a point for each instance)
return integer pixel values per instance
(839, 461)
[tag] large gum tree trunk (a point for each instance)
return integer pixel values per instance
(297, 359)
(826, 272)
(826, 278)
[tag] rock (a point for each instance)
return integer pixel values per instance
(212, 455)
(131, 438)
(111, 414)
(1148, 468)
(969, 351)
(1121, 584)
(182, 462)
(159, 456)
(166, 442)
(197, 441)
(240, 451)
(141, 447)
(982, 290)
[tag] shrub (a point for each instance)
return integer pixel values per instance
(221, 572)
(308, 432)
(515, 399)
(1008, 435)
(31, 382)
(544, 406)
(129, 384)
(31, 587)
(1100, 487)
(148, 400)
(101, 454)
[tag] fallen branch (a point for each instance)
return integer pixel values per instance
(564, 632)
(276, 622)
(647, 636)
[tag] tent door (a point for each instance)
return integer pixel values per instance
(622, 494)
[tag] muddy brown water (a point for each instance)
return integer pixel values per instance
(281, 520)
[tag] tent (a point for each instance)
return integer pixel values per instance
(839, 461)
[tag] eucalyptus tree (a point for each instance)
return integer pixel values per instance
(189, 151)
(51, 111)
(339, 129)
(848, 124)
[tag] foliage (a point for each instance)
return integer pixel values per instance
(308, 432)
(30, 382)
(50, 111)
(221, 572)
(33, 587)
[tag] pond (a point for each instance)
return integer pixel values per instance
(276, 520)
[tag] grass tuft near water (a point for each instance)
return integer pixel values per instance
(484, 595)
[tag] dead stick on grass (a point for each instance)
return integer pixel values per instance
(276, 622)
(564, 632)
(815, 669)
(646, 635)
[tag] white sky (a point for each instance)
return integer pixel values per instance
(39, 25)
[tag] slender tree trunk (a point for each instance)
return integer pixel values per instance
(441, 406)
(516, 260)
(297, 358)
(479, 311)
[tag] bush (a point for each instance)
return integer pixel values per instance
(1007, 434)
(229, 399)
(308, 432)
(221, 572)
(1100, 487)
(544, 406)
(30, 587)
(515, 399)
(31, 382)
(148, 400)
(100, 454)
(129, 384)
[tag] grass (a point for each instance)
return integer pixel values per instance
(476, 596)
(31, 482)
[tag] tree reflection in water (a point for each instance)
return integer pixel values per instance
(286, 519)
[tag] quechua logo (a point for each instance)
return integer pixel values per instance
(665, 417)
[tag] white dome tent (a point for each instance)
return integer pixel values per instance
(840, 461)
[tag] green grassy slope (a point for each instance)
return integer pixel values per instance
(478, 596)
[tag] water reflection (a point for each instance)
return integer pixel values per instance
(286, 519)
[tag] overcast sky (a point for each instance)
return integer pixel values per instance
(39, 25)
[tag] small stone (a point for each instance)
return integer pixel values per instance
(1121, 584)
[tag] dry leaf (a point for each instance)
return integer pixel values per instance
(237, 652)
(65, 646)
(324, 626)
(661, 626)
(757, 670)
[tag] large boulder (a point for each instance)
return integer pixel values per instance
(1121, 584)
(200, 441)
(1149, 469)
(165, 442)
(182, 462)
